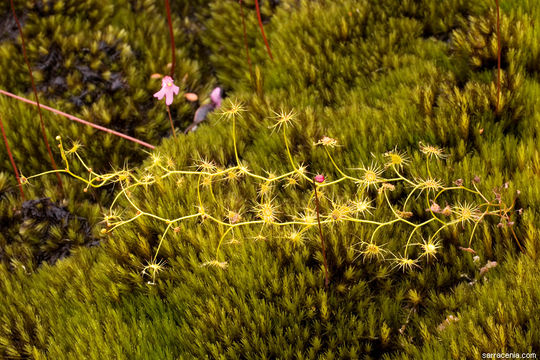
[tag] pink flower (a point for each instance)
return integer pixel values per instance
(319, 178)
(435, 208)
(168, 89)
(216, 98)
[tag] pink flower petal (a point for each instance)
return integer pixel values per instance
(215, 96)
(160, 94)
(168, 90)
(319, 178)
(168, 98)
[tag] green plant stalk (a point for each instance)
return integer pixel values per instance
(290, 156)
(337, 167)
(234, 141)
(326, 279)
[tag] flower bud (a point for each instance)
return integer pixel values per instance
(319, 178)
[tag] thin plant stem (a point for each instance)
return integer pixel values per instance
(234, 141)
(11, 158)
(221, 240)
(74, 118)
(326, 280)
(498, 56)
(162, 238)
(246, 40)
(290, 157)
(262, 29)
(169, 20)
(43, 131)
(337, 167)
(170, 119)
(517, 241)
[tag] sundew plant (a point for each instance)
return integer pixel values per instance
(269, 179)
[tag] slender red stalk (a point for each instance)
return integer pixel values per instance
(262, 29)
(326, 279)
(43, 131)
(170, 118)
(245, 39)
(74, 118)
(11, 158)
(498, 56)
(169, 20)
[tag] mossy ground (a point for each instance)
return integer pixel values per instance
(373, 74)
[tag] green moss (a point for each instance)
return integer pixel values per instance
(495, 316)
(96, 62)
(374, 75)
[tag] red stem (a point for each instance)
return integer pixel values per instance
(262, 29)
(169, 20)
(245, 39)
(11, 159)
(170, 118)
(43, 131)
(74, 118)
(326, 280)
(498, 56)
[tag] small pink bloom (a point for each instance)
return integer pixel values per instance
(319, 178)
(447, 211)
(435, 208)
(168, 89)
(216, 98)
